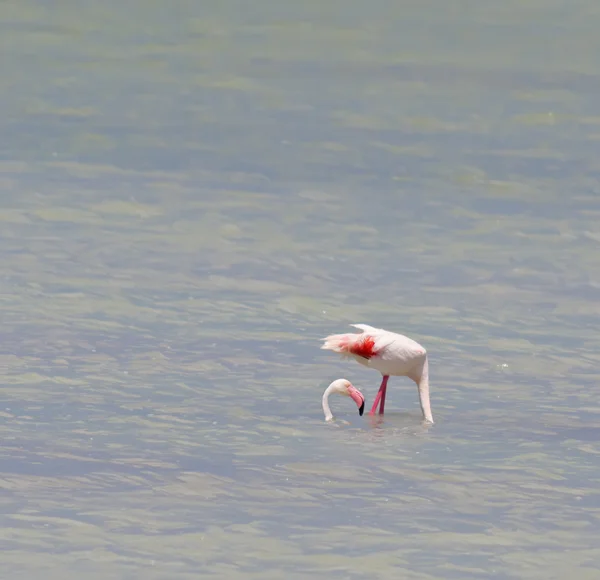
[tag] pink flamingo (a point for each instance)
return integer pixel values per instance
(391, 354)
(342, 387)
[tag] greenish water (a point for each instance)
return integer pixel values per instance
(194, 193)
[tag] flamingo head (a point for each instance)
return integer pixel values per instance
(347, 389)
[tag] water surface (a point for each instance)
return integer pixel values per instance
(193, 194)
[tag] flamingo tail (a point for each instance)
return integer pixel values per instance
(340, 343)
(360, 346)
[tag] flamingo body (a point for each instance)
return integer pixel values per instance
(391, 354)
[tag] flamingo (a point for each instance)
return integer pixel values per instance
(342, 387)
(391, 354)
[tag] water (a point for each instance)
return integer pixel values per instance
(193, 194)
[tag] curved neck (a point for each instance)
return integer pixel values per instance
(326, 409)
(423, 385)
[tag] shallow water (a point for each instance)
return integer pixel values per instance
(193, 195)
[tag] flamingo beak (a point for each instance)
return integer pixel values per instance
(358, 398)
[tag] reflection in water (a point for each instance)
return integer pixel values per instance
(398, 420)
(192, 197)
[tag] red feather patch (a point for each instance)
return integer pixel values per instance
(364, 348)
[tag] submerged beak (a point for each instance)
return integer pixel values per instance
(358, 398)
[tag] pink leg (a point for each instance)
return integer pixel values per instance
(384, 387)
(375, 403)
(380, 396)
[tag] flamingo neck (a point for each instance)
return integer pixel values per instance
(423, 386)
(328, 415)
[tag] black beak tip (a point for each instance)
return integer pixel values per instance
(362, 409)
